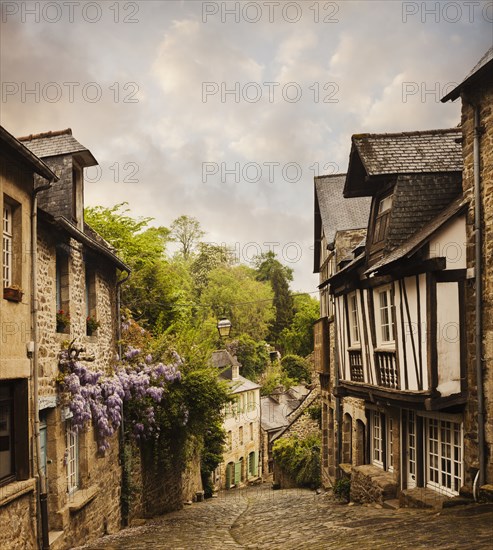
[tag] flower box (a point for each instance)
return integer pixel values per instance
(12, 294)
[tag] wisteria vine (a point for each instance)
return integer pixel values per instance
(136, 388)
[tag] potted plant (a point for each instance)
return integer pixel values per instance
(13, 293)
(62, 320)
(92, 325)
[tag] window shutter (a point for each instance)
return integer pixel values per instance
(237, 472)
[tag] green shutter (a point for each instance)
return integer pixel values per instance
(237, 473)
(255, 463)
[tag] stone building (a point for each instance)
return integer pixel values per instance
(241, 458)
(476, 93)
(77, 274)
(276, 410)
(18, 457)
(399, 389)
(340, 227)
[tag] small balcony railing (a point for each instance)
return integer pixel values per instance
(356, 366)
(386, 369)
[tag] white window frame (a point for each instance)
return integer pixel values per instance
(411, 449)
(390, 440)
(72, 458)
(387, 338)
(444, 443)
(354, 327)
(376, 435)
(7, 243)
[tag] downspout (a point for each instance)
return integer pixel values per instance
(337, 399)
(123, 457)
(43, 527)
(478, 247)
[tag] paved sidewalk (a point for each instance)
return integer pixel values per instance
(259, 518)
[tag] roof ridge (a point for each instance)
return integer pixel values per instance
(51, 133)
(338, 175)
(412, 133)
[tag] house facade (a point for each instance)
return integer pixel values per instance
(241, 458)
(476, 94)
(399, 388)
(75, 275)
(18, 469)
(340, 227)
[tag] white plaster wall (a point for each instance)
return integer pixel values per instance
(448, 338)
(450, 242)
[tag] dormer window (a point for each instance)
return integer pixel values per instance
(382, 219)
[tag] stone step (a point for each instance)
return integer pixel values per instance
(55, 539)
(391, 504)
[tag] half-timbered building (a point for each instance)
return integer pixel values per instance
(399, 350)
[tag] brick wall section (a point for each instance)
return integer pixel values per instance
(483, 95)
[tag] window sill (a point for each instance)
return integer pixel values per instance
(16, 489)
(82, 498)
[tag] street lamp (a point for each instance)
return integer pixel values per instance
(224, 327)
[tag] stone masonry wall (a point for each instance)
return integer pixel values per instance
(17, 524)
(483, 96)
(94, 508)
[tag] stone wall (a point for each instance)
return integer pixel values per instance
(94, 508)
(18, 516)
(371, 484)
(482, 95)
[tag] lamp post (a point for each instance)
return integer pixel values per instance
(224, 327)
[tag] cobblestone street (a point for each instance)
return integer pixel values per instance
(259, 518)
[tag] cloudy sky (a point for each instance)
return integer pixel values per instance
(226, 110)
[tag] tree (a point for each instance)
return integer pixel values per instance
(209, 257)
(269, 269)
(297, 339)
(186, 231)
(234, 291)
(253, 356)
(157, 286)
(297, 368)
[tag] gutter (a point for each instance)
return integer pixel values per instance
(43, 527)
(478, 247)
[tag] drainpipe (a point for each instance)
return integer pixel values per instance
(478, 247)
(123, 459)
(337, 399)
(42, 485)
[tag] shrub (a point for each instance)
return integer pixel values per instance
(300, 459)
(342, 489)
(296, 367)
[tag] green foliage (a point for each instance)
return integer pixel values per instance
(253, 356)
(296, 368)
(212, 455)
(342, 489)
(297, 339)
(279, 276)
(248, 302)
(315, 412)
(273, 377)
(299, 458)
(208, 257)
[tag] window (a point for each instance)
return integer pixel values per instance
(250, 401)
(7, 245)
(14, 442)
(385, 304)
(6, 433)
(62, 290)
(353, 319)
(382, 219)
(240, 435)
(72, 458)
(229, 440)
(251, 431)
(444, 455)
(252, 464)
(377, 438)
(390, 444)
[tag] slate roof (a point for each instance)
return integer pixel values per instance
(417, 199)
(338, 213)
(222, 359)
(241, 384)
(410, 152)
(421, 237)
(54, 143)
(38, 166)
(483, 67)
